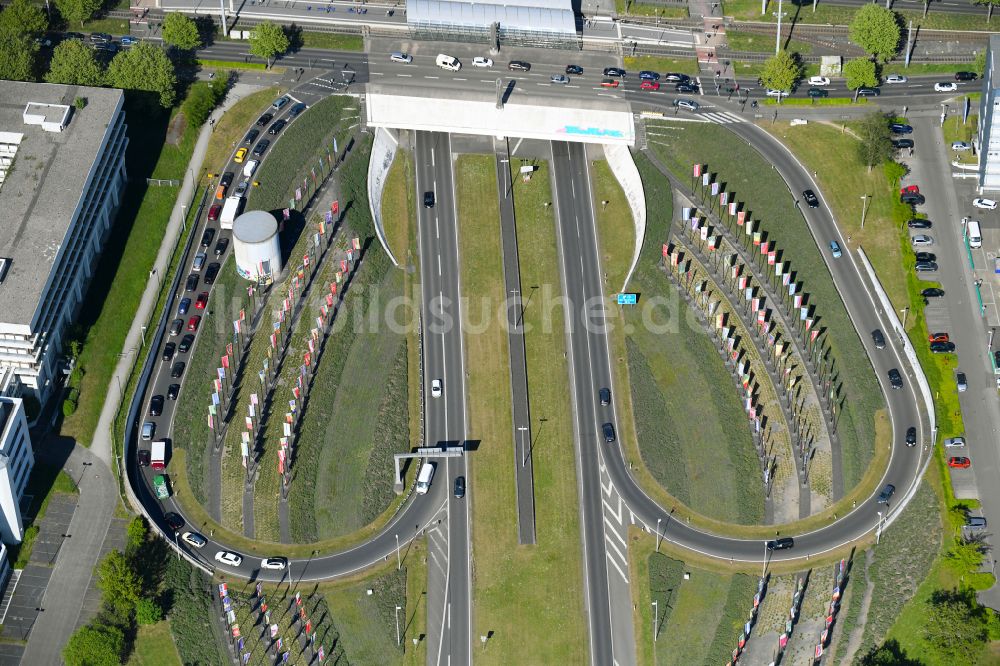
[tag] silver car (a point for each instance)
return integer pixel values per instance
(559, 78)
(688, 104)
(954, 442)
(921, 240)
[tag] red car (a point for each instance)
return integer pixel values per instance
(938, 337)
(649, 85)
(202, 300)
(213, 212)
(909, 189)
(959, 462)
(609, 83)
(193, 323)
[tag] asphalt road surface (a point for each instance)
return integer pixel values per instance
(444, 360)
(609, 602)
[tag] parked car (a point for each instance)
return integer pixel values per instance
(264, 119)
(954, 443)
(819, 81)
(886, 493)
(949, 86)
(922, 240)
(913, 198)
(818, 92)
(965, 76)
(975, 523)
(925, 256)
(900, 128)
(918, 223)
(961, 145)
(959, 462)
(961, 382)
(895, 379)
(835, 249)
(925, 266)
(932, 292)
(250, 138)
(942, 347)
(914, 189)
(899, 144)
(194, 539)
(783, 543)
(278, 125)
(911, 436)
(811, 199)
(938, 337)
(896, 78)
(869, 92)
(985, 204)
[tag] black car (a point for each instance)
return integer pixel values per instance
(172, 391)
(211, 272)
(932, 292)
(917, 223)
(996, 358)
(911, 436)
(207, 237)
(869, 92)
(895, 379)
(221, 247)
(177, 370)
(99, 37)
(277, 126)
(811, 199)
(156, 405)
(605, 396)
(686, 88)
(676, 77)
(783, 543)
(878, 338)
(185, 345)
(647, 75)
(900, 128)
(296, 110)
(261, 147)
(886, 493)
(143, 457)
(913, 198)
(227, 179)
(428, 200)
(192, 282)
(942, 347)
(459, 487)
(519, 66)
(925, 256)
(574, 69)
(251, 136)
(168, 351)
(965, 76)
(264, 119)
(925, 266)
(173, 521)
(818, 92)
(614, 71)
(899, 144)
(609, 432)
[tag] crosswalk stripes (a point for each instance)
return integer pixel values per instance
(723, 117)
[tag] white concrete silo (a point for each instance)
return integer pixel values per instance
(256, 246)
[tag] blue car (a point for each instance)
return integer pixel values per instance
(647, 75)
(184, 306)
(835, 249)
(129, 41)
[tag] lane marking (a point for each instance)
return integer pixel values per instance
(620, 573)
(614, 546)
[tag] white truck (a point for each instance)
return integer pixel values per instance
(230, 210)
(158, 455)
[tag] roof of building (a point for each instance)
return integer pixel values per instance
(529, 15)
(42, 191)
(994, 64)
(254, 226)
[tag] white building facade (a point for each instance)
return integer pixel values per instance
(16, 462)
(988, 139)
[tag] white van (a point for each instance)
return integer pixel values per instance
(424, 478)
(448, 62)
(974, 234)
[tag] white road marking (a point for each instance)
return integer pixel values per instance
(615, 513)
(612, 560)
(432, 77)
(616, 531)
(409, 76)
(437, 228)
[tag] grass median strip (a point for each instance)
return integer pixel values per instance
(547, 628)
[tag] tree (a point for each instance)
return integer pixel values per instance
(268, 41)
(78, 10)
(876, 30)
(890, 653)
(181, 32)
(989, 7)
(860, 73)
(782, 71)
(98, 645)
(135, 536)
(74, 63)
(875, 140)
(24, 18)
(17, 56)
(147, 611)
(145, 67)
(958, 627)
(119, 583)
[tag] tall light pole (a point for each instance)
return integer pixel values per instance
(398, 640)
(864, 209)
(777, 37)
(905, 311)
(656, 622)
(763, 571)
(399, 561)
(524, 450)
(657, 535)
(878, 530)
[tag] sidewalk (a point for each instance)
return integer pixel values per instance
(101, 446)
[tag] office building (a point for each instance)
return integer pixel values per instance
(988, 138)
(16, 461)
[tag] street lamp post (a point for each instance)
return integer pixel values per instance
(905, 311)
(398, 640)
(763, 571)
(657, 535)
(656, 621)
(399, 561)
(878, 530)
(524, 449)
(864, 209)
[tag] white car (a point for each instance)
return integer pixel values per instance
(225, 557)
(193, 539)
(772, 92)
(961, 145)
(480, 61)
(896, 78)
(436, 388)
(819, 81)
(276, 563)
(948, 86)
(922, 239)
(402, 58)
(559, 78)
(250, 167)
(688, 104)
(954, 442)
(988, 204)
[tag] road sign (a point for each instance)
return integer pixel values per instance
(627, 299)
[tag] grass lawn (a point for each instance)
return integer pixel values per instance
(626, 8)
(154, 646)
(917, 68)
(955, 130)
(663, 64)
(547, 628)
(233, 126)
(801, 11)
(332, 41)
(755, 43)
(615, 223)
(398, 206)
(748, 175)
(190, 613)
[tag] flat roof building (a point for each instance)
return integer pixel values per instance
(516, 21)
(62, 172)
(16, 462)
(988, 137)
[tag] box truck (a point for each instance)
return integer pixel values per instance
(158, 455)
(230, 210)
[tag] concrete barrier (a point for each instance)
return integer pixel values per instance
(623, 166)
(383, 153)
